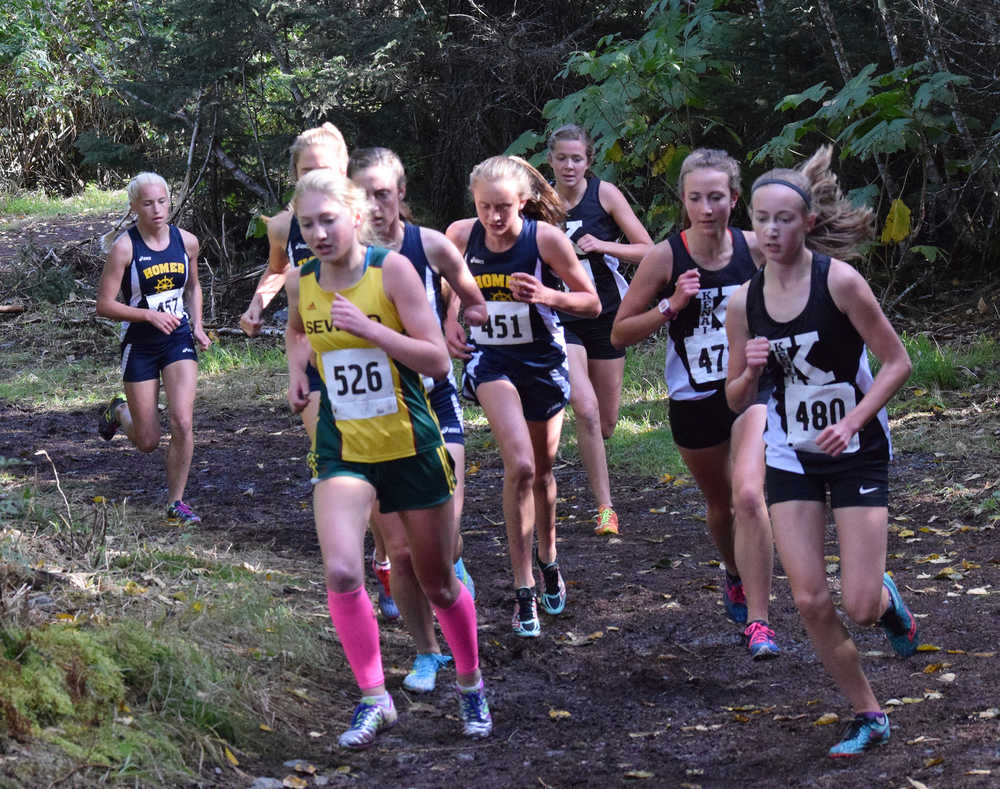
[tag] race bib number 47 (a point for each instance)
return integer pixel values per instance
(708, 355)
(359, 383)
(809, 410)
(509, 323)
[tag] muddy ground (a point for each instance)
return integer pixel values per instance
(643, 679)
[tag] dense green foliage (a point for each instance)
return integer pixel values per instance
(211, 93)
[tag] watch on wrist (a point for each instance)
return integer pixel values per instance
(668, 312)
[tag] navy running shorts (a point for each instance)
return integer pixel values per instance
(447, 409)
(143, 361)
(544, 390)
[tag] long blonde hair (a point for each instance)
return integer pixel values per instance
(542, 201)
(840, 227)
(328, 135)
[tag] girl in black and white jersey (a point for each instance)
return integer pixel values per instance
(605, 232)
(693, 275)
(809, 319)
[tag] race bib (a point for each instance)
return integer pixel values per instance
(809, 410)
(359, 383)
(708, 355)
(170, 301)
(509, 323)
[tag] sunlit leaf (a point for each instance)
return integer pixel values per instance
(639, 774)
(231, 757)
(826, 719)
(558, 715)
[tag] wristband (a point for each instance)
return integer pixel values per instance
(668, 312)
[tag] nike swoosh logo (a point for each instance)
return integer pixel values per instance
(865, 491)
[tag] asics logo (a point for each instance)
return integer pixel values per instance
(188, 350)
(475, 260)
(144, 258)
(865, 491)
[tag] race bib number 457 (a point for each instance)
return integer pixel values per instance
(170, 301)
(359, 383)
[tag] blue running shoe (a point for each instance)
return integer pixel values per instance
(370, 717)
(423, 677)
(554, 595)
(733, 598)
(475, 712)
(899, 624)
(760, 641)
(464, 578)
(525, 622)
(865, 731)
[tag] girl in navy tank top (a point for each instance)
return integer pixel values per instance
(598, 217)
(688, 279)
(809, 318)
(155, 265)
(517, 369)
(380, 173)
(314, 149)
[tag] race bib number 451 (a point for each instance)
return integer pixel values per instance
(359, 383)
(809, 410)
(509, 323)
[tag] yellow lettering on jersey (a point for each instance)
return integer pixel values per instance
(491, 280)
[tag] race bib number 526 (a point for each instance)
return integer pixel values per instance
(359, 383)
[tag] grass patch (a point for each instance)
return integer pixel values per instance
(92, 200)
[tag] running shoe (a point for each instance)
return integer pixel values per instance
(733, 598)
(899, 624)
(465, 578)
(607, 521)
(370, 717)
(425, 668)
(525, 622)
(475, 712)
(180, 514)
(866, 730)
(760, 640)
(554, 594)
(386, 605)
(107, 422)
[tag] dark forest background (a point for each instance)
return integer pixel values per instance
(211, 92)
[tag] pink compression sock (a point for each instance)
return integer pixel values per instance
(357, 630)
(458, 624)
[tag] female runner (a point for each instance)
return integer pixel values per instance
(597, 217)
(366, 318)
(517, 370)
(809, 319)
(380, 173)
(314, 149)
(694, 273)
(155, 265)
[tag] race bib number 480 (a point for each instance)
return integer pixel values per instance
(509, 323)
(170, 301)
(809, 410)
(359, 383)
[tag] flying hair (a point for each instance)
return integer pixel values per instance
(363, 158)
(708, 159)
(132, 190)
(542, 201)
(840, 227)
(327, 135)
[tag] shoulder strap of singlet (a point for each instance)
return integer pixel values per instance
(375, 256)
(310, 269)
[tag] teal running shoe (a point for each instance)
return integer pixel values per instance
(865, 731)
(525, 622)
(554, 595)
(423, 677)
(465, 578)
(899, 624)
